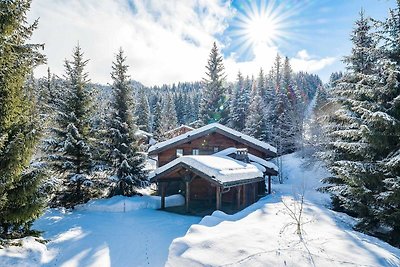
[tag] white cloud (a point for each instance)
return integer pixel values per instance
(304, 62)
(164, 41)
(264, 57)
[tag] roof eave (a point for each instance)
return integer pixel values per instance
(189, 138)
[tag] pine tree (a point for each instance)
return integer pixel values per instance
(143, 112)
(255, 122)
(179, 103)
(359, 131)
(20, 198)
(70, 149)
(239, 104)
(385, 136)
(213, 101)
(168, 116)
(157, 126)
(126, 160)
(261, 83)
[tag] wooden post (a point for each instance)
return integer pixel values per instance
(162, 195)
(209, 193)
(218, 197)
(239, 191)
(244, 195)
(254, 192)
(187, 195)
(269, 184)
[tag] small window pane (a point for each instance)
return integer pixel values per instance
(195, 151)
(215, 149)
(179, 152)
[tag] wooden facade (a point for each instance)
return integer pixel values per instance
(206, 145)
(197, 186)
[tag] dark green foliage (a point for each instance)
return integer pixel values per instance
(364, 131)
(239, 103)
(255, 122)
(213, 103)
(20, 198)
(126, 161)
(70, 148)
(142, 112)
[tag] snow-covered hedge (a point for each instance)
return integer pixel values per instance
(122, 204)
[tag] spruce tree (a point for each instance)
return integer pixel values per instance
(237, 101)
(169, 119)
(255, 122)
(127, 162)
(213, 101)
(386, 132)
(20, 198)
(157, 126)
(143, 112)
(261, 83)
(360, 131)
(70, 150)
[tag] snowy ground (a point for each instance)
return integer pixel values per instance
(102, 234)
(261, 235)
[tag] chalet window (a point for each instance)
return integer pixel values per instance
(179, 152)
(215, 149)
(195, 151)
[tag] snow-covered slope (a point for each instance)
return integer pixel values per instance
(263, 234)
(101, 234)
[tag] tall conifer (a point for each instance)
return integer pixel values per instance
(20, 198)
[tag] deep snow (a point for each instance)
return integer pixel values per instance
(101, 234)
(262, 234)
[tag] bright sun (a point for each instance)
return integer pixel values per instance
(263, 23)
(261, 29)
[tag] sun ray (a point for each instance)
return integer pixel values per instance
(263, 22)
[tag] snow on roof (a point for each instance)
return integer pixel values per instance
(142, 133)
(209, 127)
(253, 158)
(178, 128)
(221, 169)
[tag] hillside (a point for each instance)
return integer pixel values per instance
(100, 233)
(264, 235)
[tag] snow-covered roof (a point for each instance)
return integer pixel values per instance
(221, 169)
(211, 127)
(178, 128)
(252, 158)
(143, 133)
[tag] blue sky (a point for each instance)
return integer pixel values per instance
(169, 41)
(320, 27)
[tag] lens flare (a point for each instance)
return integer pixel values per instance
(263, 23)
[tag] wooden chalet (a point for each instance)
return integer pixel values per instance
(178, 131)
(213, 165)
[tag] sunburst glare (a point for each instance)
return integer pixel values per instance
(263, 23)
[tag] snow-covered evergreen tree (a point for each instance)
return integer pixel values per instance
(385, 135)
(169, 119)
(70, 149)
(255, 122)
(142, 112)
(157, 126)
(213, 101)
(364, 135)
(20, 199)
(127, 162)
(239, 104)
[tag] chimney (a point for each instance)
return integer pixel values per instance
(242, 155)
